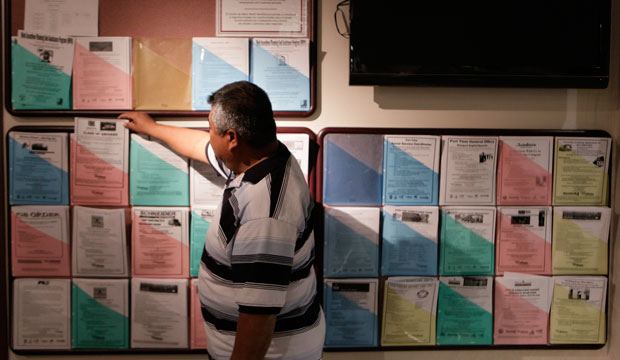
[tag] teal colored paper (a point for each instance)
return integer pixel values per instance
(37, 85)
(209, 73)
(288, 89)
(462, 251)
(460, 321)
(347, 323)
(154, 182)
(406, 181)
(198, 234)
(95, 326)
(34, 180)
(404, 251)
(348, 253)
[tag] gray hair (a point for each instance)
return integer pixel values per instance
(245, 108)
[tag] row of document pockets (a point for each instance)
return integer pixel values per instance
(376, 169)
(97, 73)
(421, 311)
(475, 240)
(95, 314)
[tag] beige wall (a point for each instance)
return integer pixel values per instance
(364, 106)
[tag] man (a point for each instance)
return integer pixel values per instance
(257, 284)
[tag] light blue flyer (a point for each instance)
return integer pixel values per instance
(352, 169)
(201, 218)
(351, 242)
(99, 314)
(409, 240)
(281, 67)
(411, 170)
(215, 63)
(38, 168)
(351, 312)
(464, 311)
(157, 175)
(467, 240)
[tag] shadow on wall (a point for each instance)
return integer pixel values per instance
(495, 99)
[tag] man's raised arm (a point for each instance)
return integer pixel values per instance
(190, 143)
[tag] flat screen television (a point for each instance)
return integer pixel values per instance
(498, 43)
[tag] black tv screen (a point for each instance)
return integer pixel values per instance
(500, 43)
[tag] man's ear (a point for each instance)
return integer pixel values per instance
(233, 138)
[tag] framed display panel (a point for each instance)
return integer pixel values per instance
(382, 278)
(162, 19)
(6, 290)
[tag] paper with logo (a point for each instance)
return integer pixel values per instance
(102, 73)
(580, 240)
(351, 242)
(467, 240)
(522, 309)
(464, 310)
(206, 186)
(411, 170)
(281, 67)
(201, 219)
(66, 17)
(162, 74)
(287, 18)
(299, 146)
(159, 313)
(352, 169)
(524, 170)
(159, 242)
(41, 66)
(38, 168)
(409, 311)
(468, 170)
(217, 61)
(159, 176)
(99, 243)
(100, 162)
(40, 241)
(41, 314)
(100, 314)
(197, 332)
(578, 310)
(523, 241)
(580, 175)
(409, 240)
(351, 312)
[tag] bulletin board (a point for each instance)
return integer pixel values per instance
(321, 246)
(181, 19)
(6, 289)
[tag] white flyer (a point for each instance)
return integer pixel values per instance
(285, 18)
(468, 170)
(206, 185)
(41, 314)
(99, 242)
(159, 313)
(62, 17)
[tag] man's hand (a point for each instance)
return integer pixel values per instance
(139, 122)
(190, 143)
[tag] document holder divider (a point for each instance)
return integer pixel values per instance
(6, 290)
(440, 131)
(152, 19)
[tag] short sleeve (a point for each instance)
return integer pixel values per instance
(262, 260)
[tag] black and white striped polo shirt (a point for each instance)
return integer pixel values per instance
(258, 256)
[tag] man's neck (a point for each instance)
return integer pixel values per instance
(253, 156)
